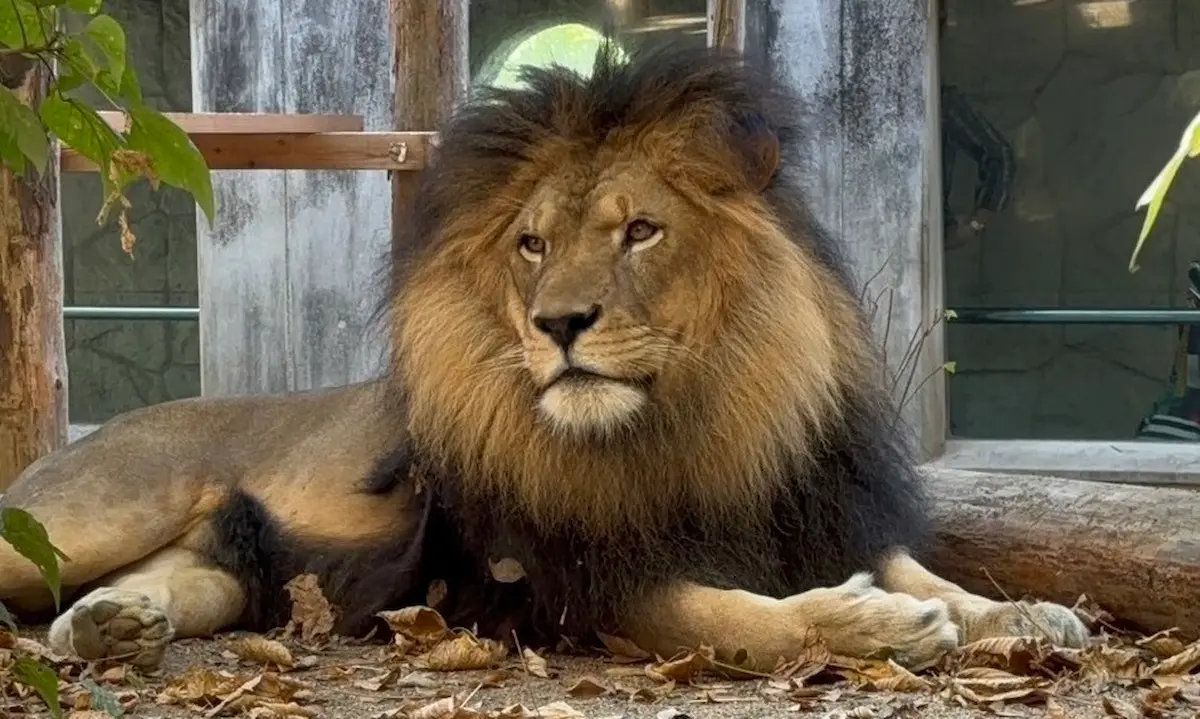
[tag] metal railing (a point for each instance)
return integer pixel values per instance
(962, 316)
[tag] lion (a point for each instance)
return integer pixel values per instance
(624, 356)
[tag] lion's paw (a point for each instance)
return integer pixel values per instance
(859, 619)
(1053, 622)
(113, 623)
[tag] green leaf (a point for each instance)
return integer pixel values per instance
(6, 618)
(1152, 198)
(80, 128)
(24, 25)
(176, 160)
(108, 36)
(29, 538)
(103, 699)
(88, 7)
(130, 89)
(19, 122)
(41, 679)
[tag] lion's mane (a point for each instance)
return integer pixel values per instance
(777, 468)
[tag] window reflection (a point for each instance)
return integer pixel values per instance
(1071, 108)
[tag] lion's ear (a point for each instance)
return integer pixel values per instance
(758, 146)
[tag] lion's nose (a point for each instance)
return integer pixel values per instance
(563, 329)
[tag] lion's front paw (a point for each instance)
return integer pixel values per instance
(858, 619)
(113, 624)
(1054, 622)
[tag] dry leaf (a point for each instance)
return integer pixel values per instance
(1182, 663)
(1012, 654)
(588, 687)
(259, 649)
(378, 682)
(558, 710)
(448, 708)
(1117, 708)
(682, 669)
(986, 685)
(1107, 664)
(671, 713)
(534, 664)
(884, 676)
(461, 653)
(436, 592)
(422, 625)
(623, 650)
(1163, 644)
(269, 710)
(513, 711)
(311, 611)
(507, 570)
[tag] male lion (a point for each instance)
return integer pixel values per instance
(625, 357)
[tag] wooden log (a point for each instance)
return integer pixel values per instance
(432, 73)
(33, 362)
(727, 24)
(1135, 550)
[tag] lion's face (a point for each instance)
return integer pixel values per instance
(599, 295)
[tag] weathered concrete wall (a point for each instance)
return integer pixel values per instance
(1092, 97)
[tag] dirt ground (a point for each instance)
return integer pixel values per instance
(428, 671)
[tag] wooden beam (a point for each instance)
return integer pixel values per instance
(248, 123)
(1133, 550)
(33, 357)
(727, 24)
(431, 72)
(399, 151)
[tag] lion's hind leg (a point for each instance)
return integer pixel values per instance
(979, 617)
(135, 613)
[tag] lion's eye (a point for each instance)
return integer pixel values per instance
(531, 246)
(639, 232)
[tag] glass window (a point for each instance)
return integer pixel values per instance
(505, 34)
(118, 365)
(1056, 115)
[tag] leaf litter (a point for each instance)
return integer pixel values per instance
(429, 670)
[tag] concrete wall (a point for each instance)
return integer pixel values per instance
(1093, 96)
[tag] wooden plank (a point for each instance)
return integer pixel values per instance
(248, 123)
(431, 69)
(236, 67)
(397, 151)
(1133, 550)
(33, 356)
(337, 222)
(727, 24)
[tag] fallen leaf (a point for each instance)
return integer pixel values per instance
(311, 611)
(986, 685)
(534, 664)
(1163, 644)
(559, 710)
(420, 624)
(259, 649)
(683, 669)
(623, 650)
(1181, 663)
(496, 678)
(436, 592)
(588, 687)
(448, 708)
(885, 676)
(269, 710)
(671, 713)
(1118, 708)
(461, 653)
(507, 570)
(1012, 654)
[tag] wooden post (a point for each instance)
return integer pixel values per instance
(33, 362)
(432, 74)
(727, 24)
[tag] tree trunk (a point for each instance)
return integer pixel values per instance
(33, 366)
(432, 73)
(1135, 550)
